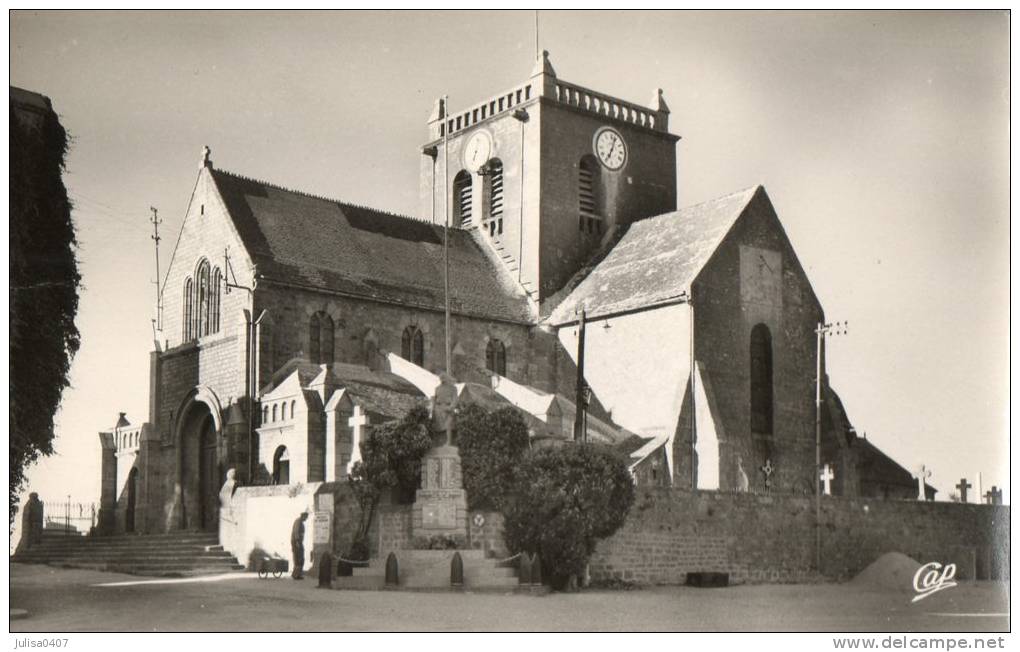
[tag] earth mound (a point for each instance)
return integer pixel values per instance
(893, 571)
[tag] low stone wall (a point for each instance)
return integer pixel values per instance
(671, 532)
(257, 521)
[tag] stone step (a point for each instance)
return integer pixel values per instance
(180, 570)
(122, 549)
(133, 546)
(430, 569)
(126, 559)
(86, 542)
(176, 554)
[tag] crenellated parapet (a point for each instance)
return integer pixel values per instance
(544, 84)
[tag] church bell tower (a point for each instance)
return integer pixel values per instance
(547, 173)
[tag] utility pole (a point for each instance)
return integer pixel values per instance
(581, 400)
(251, 355)
(832, 328)
(155, 221)
(446, 229)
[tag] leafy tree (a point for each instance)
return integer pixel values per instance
(491, 446)
(566, 499)
(44, 282)
(390, 460)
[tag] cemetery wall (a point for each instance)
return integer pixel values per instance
(754, 538)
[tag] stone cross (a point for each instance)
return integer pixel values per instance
(768, 470)
(826, 477)
(357, 422)
(963, 487)
(923, 473)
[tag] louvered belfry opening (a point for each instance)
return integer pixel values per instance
(462, 198)
(589, 220)
(495, 219)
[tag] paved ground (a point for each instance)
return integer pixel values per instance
(63, 600)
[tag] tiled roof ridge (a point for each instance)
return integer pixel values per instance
(713, 200)
(331, 200)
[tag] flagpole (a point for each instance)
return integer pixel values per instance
(446, 225)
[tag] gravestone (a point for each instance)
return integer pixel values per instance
(440, 505)
(963, 487)
(767, 470)
(827, 476)
(994, 497)
(923, 474)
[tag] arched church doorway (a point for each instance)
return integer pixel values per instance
(132, 493)
(209, 477)
(201, 473)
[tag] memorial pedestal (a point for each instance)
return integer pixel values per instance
(440, 505)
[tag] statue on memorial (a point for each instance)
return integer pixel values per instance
(444, 408)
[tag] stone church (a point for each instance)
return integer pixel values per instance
(292, 323)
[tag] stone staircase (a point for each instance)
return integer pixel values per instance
(178, 554)
(430, 569)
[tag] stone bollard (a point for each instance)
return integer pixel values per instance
(326, 571)
(392, 570)
(456, 570)
(524, 569)
(536, 570)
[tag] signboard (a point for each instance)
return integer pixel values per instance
(322, 528)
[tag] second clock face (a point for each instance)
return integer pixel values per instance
(477, 150)
(610, 148)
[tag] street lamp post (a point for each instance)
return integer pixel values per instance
(832, 328)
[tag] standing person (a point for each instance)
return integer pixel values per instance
(297, 545)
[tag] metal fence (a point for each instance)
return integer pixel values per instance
(69, 517)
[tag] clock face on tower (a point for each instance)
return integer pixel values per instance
(477, 150)
(610, 148)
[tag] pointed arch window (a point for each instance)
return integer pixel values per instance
(202, 302)
(462, 198)
(412, 345)
(202, 299)
(187, 324)
(495, 357)
(494, 174)
(214, 303)
(320, 338)
(761, 380)
(589, 214)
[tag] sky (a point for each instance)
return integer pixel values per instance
(881, 138)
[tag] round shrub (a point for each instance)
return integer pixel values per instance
(565, 500)
(491, 446)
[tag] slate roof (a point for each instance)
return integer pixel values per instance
(312, 241)
(378, 392)
(656, 259)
